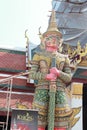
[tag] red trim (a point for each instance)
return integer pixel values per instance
(59, 128)
(41, 128)
(79, 80)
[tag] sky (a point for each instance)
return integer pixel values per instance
(18, 15)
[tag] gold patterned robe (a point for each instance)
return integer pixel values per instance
(41, 65)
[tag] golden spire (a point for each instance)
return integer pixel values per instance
(52, 28)
(52, 25)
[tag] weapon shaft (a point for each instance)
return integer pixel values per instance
(52, 91)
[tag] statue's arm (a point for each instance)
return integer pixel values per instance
(65, 75)
(35, 70)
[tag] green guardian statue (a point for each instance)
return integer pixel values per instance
(52, 73)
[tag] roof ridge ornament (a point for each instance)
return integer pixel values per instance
(77, 54)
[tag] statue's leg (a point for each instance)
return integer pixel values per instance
(62, 111)
(40, 103)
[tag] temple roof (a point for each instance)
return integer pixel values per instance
(13, 62)
(71, 18)
(80, 75)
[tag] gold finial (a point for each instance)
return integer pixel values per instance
(86, 48)
(78, 47)
(52, 28)
(26, 36)
(40, 34)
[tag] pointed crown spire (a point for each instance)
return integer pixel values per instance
(52, 28)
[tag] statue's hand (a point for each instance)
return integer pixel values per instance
(51, 77)
(55, 71)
